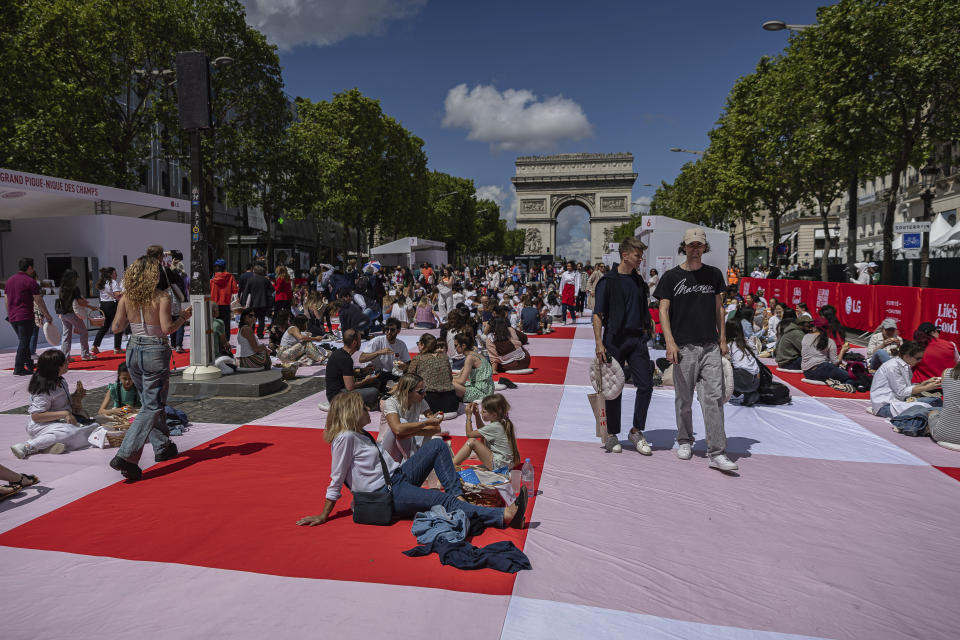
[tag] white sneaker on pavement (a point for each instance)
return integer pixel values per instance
(685, 452)
(723, 463)
(612, 443)
(20, 450)
(643, 447)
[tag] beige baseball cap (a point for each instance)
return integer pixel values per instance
(695, 234)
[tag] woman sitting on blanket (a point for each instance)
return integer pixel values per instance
(746, 370)
(356, 462)
(495, 442)
(121, 396)
(891, 393)
(944, 424)
(250, 353)
(296, 344)
(820, 360)
(939, 353)
(505, 346)
(52, 426)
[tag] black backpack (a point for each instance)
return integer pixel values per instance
(771, 392)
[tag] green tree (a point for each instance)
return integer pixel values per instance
(513, 241)
(896, 67)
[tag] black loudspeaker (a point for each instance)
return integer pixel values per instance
(193, 89)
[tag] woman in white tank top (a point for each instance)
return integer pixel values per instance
(147, 310)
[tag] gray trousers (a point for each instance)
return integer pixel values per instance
(700, 367)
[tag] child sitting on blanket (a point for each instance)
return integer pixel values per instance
(499, 445)
(122, 396)
(52, 426)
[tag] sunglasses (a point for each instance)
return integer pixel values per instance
(422, 392)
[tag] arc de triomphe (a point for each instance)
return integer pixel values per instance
(601, 183)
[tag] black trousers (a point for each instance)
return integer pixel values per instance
(631, 352)
(224, 313)
(109, 312)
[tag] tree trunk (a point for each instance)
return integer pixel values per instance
(886, 268)
(852, 226)
(825, 258)
(775, 218)
(746, 267)
(269, 219)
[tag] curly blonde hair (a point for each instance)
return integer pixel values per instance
(140, 281)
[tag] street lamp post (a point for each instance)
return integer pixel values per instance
(693, 151)
(928, 177)
(780, 25)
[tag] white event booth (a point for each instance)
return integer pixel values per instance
(69, 224)
(663, 236)
(410, 251)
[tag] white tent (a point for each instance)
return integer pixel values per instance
(943, 235)
(663, 235)
(410, 251)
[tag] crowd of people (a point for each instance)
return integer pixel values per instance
(478, 320)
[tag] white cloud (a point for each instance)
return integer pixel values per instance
(505, 199)
(642, 204)
(288, 23)
(514, 119)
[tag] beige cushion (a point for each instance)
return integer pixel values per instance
(607, 378)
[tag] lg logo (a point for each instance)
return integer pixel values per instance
(852, 306)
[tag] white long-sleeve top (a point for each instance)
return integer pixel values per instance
(573, 278)
(742, 360)
(892, 384)
(355, 460)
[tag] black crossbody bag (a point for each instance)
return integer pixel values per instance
(374, 507)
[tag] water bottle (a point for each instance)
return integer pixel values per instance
(527, 476)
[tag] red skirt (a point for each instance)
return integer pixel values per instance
(568, 295)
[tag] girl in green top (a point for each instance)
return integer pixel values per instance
(120, 394)
(495, 442)
(475, 380)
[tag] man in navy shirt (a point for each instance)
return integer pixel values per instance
(621, 328)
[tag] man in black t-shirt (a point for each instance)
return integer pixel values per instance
(340, 373)
(693, 320)
(621, 328)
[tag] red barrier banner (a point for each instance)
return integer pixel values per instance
(941, 307)
(797, 292)
(820, 294)
(775, 289)
(748, 285)
(900, 303)
(855, 306)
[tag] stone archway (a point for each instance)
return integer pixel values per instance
(601, 183)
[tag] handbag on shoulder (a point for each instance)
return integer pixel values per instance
(374, 507)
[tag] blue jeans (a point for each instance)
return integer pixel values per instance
(564, 308)
(409, 497)
(878, 358)
(633, 356)
(826, 371)
(148, 360)
(177, 338)
(24, 330)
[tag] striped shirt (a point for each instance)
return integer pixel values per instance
(947, 427)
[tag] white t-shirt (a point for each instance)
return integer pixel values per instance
(111, 287)
(400, 449)
(385, 363)
(742, 360)
(398, 312)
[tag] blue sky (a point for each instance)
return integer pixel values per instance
(483, 82)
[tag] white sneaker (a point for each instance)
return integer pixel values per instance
(643, 447)
(56, 449)
(612, 443)
(723, 463)
(20, 450)
(323, 406)
(685, 452)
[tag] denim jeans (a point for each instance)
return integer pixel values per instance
(878, 358)
(409, 497)
(72, 324)
(826, 371)
(148, 360)
(176, 338)
(24, 330)
(633, 356)
(568, 308)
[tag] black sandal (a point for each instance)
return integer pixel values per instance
(32, 480)
(517, 521)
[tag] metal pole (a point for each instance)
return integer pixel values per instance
(201, 335)
(925, 250)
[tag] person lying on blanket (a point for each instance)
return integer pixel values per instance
(358, 462)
